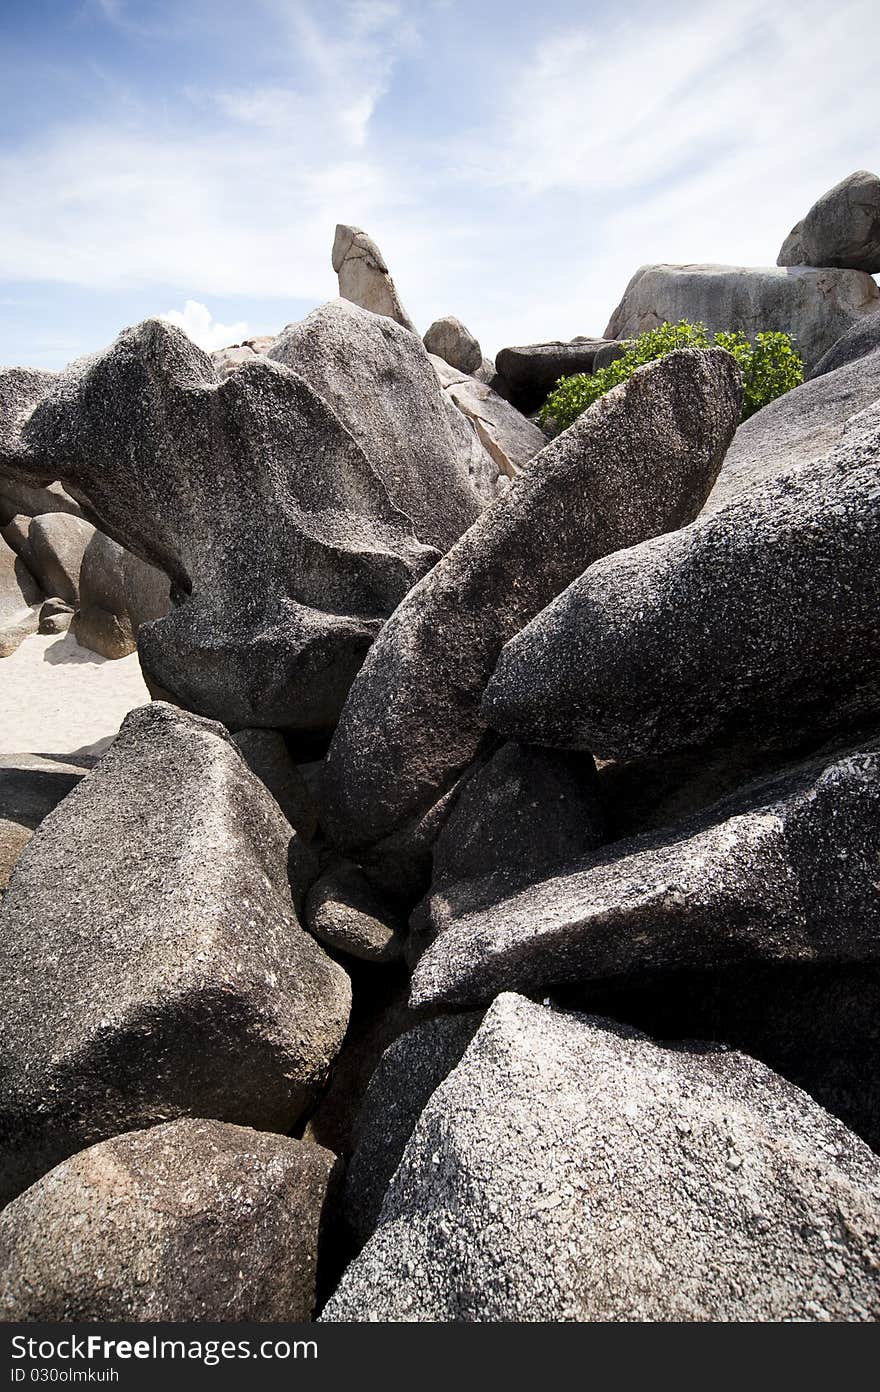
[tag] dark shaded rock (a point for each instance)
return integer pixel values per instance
(450, 340)
(784, 870)
(609, 352)
(364, 277)
(570, 1169)
(532, 372)
(639, 462)
(55, 616)
(344, 912)
(520, 813)
(818, 1024)
(191, 1221)
(30, 787)
(283, 548)
(19, 499)
(756, 622)
(378, 380)
(841, 229)
(20, 596)
(862, 340)
(815, 306)
(118, 593)
(409, 1071)
(266, 755)
(151, 958)
(508, 437)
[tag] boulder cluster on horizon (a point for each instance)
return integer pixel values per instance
(482, 920)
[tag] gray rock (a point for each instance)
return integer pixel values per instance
(841, 229)
(639, 462)
(517, 815)
(802, 426)
(52, 548)
(815, 306)
(861, 341)
(609, 353)
(783, 871)
(229, 360)
(21, 499)
(757, 622)
(344, 912)
(191, 1221)
(569, 1169)
(151, 958)
(118, 594)
(532, 372)
(378, 380)
(30, 787)
(20, 597)
(409, 1071)
(55, 616)
(363, 275)
(448, 339)
(508, 437)
(266, 755)
(284, 550)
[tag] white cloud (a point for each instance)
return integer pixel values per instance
(197, 320)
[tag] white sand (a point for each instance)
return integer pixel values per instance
(59, 698)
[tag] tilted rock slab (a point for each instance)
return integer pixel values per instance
(570, 1169)
(284, 550)
(758, 621)
(816, 306)
(841, 229)
(508, 436)
(784, 871)
(364, 277)
(640, 461)
(378, 380)
(194, 1220)
(151, 961)
(862, 340)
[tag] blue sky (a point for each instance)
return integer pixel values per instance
(515, 162)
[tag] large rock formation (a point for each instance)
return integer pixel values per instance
(191, 1221)
(52, 547)
(758, 621)
(30, 787)
(158, 969)
(283, 546)
(573, 1170)
(639, 462)
(378, 380)
(784, 871)
(364, 277)
(118, 594)
(532, 371)
(816, 306)
(841, 229)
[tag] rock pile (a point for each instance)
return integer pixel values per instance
(482, 922)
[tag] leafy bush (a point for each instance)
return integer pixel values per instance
(770, 367)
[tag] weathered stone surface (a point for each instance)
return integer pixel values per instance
(570, 1169)
(378, 380)
(816, 306)
(266, 755)
(409, 1071)
(20, 596)
(532, 372)
(639, 462)
(283, 548)
(118, 593)
(151, 961)
(56, 616)
(363, 275)
(508, 436)
(448, 339)
(190, 1221)
(861, 341)
(519, 814)
(803, 425)
(52, 547)
(784, 870)
(30, 787)
(841, 229)
(344, 912)
(756, 622)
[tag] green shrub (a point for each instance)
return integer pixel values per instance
(770, 367)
